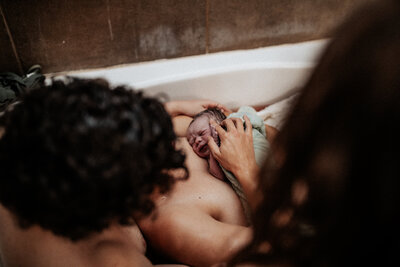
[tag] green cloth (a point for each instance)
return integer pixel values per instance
(12, 86)
(261, 148)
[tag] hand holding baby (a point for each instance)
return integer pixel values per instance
(236, 153)
(192, 107)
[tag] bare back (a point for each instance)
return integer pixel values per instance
(201, 221)
(116, 246)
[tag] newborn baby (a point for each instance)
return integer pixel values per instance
(197, 135)
(200, 129)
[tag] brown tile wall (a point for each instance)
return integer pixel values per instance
(236, 24)
(8, 59)
(64, 35)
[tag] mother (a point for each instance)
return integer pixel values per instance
(330, 194)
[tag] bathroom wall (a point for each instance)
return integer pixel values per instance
(64, 35)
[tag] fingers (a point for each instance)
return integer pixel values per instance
(221, 132)
(233, 124)
(249, 127)
(223, 108)
(214, 148)
(213, 104)
(229, 125)
(239, 124)
(209, 104)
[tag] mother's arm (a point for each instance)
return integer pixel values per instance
(191, 107)
(236, 154)
(193, 237)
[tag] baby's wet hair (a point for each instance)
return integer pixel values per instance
(212, 113)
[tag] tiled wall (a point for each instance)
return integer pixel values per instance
(64, 35)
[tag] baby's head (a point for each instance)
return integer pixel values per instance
(200, 129)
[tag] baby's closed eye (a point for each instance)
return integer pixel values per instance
(190, 140)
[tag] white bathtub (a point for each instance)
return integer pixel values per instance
(246, 77)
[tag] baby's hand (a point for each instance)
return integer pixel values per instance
(213, 104)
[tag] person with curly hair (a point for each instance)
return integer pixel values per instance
(79, 164)
(331, 196)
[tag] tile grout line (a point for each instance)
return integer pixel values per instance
(207, 26)
(11, 39)
(136, 33)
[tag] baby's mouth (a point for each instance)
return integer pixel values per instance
(203, 149)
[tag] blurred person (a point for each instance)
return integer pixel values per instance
(331, 196)
(72, 186)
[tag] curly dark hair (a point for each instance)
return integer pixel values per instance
(340, 151)
(77, 156)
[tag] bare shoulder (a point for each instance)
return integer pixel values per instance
(118, 246)
(193, 162)
(115, 246)
(111, 254)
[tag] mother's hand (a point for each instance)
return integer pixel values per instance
(236, 154)
(192, 107)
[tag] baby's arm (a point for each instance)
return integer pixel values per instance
(214, 168)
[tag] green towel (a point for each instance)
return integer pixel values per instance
(12, 86)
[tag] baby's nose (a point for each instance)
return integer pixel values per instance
(198, 140)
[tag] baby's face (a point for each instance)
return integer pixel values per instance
(197, 135)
